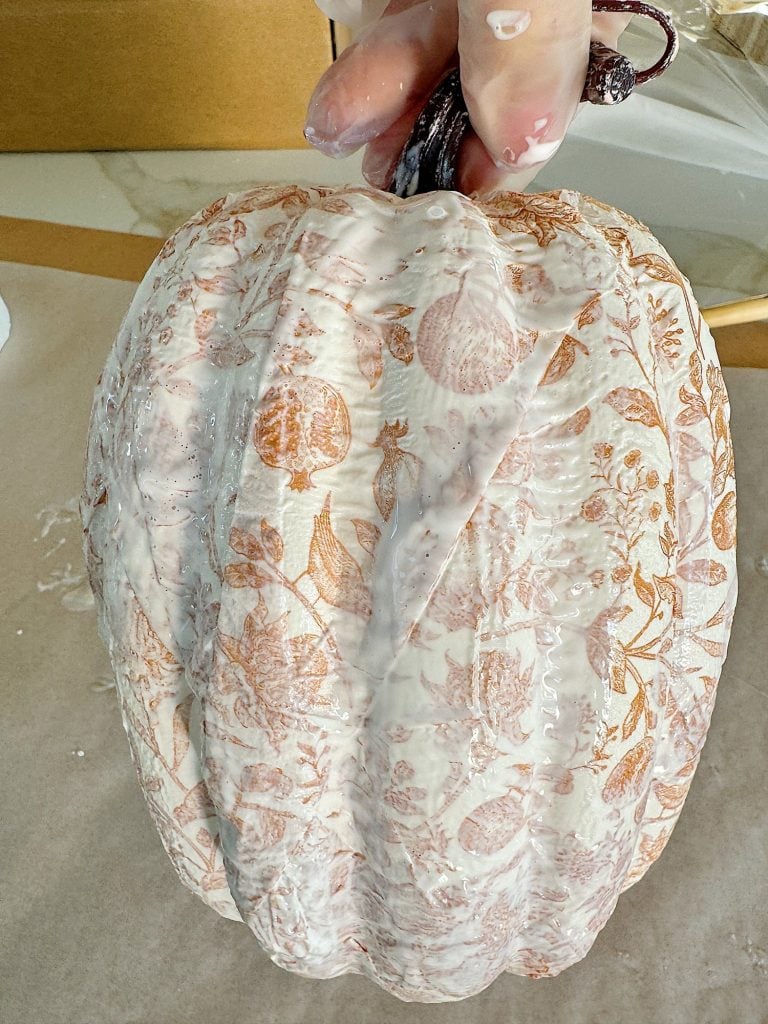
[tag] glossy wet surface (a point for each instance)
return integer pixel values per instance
(92, 900)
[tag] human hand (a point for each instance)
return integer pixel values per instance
(522, 75)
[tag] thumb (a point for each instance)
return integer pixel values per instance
(522, 74)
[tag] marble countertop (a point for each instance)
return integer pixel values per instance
(149, 192)
(703, 215)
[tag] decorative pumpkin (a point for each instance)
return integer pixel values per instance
(411, 525)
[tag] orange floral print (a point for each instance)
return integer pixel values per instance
(462, 687)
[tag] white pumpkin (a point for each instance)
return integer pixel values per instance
(411, 524)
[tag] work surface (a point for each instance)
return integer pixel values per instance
(92, 905)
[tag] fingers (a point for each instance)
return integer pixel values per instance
(607, 28)
(532, 90)
(390, 68)
(522, 70)
(477, 172)
(383, 152)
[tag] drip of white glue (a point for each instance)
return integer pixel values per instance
(508, 24)
(535, 153)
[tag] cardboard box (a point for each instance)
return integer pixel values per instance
(748, 33)
(82, 75)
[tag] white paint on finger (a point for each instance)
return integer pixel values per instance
(535, 153)
(508, 24)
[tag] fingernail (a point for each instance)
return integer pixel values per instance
(377, 169)
(338, 144)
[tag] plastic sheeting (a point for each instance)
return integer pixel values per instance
(686, 154)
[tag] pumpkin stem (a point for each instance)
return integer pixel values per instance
(428, 160)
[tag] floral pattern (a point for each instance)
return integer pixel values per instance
(413, 544)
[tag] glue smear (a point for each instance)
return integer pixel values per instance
(508, 24)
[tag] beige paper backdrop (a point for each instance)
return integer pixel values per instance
(97, 929)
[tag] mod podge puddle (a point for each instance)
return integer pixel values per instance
(61, 571)
(60, 532)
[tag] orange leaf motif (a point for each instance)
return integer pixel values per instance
(575, 424)
(263, 778)
(334, 571)
(689, 447)
(720, 474)
(703, 570)
(394, 311)
(670, 591)
(670, 797)
(603, 647)
(203, 837)
(589, 313)
(369, 360)
(615, 237)
(633, 716)
(667, 541)
(650, 849)
(634, 405)
(318, 253)
(335, 205)
(724, 522)
(272, 541)
(214, 880)
(627, 780)
(712, 647)
(181, 730)
(245, 544)
(669, 494)
(717, 618)
(562, 360)
(618, 673)
(643, 588)
(492, 825)
(306, 327)
(695, 364)
(721, 430)
(220, 284)
(243, 574)
(657, 268)
(368, 534)
(196, 804)
(533, 214)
